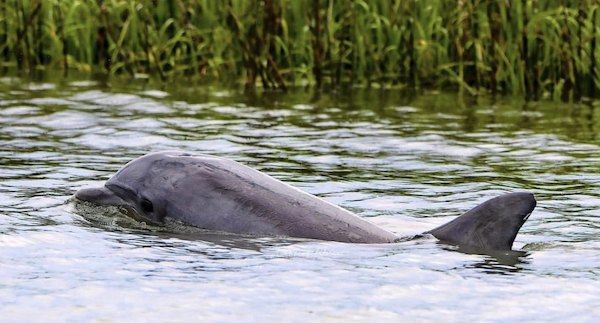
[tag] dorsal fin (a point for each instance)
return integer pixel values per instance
(492, 225)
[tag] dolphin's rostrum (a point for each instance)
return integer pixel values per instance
(220, 194)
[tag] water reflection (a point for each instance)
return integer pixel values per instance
(499, 262)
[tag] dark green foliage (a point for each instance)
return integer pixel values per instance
(528, 48)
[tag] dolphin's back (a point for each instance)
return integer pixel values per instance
(220, 194)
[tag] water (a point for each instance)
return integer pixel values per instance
(406, 163)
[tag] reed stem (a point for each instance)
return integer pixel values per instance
(528, 48)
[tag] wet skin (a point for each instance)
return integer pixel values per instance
(220, 194)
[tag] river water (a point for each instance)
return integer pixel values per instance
(407, 163)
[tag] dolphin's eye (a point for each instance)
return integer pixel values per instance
(147, 205)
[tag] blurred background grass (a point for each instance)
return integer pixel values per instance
(525, 48)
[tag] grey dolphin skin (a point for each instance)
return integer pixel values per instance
(220, 194)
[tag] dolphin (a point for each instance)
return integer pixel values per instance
(220, 194)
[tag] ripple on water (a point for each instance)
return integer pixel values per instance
(23, 110)
(406, 166)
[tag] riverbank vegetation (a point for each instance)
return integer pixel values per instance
(526, 48)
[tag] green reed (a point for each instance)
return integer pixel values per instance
(527, 47)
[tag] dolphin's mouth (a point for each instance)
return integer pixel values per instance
(104, 196)
(108, 196)
(100, 195)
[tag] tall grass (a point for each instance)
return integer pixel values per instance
(521, 47)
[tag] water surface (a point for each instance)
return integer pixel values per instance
(407, 163)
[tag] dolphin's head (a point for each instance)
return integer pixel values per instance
(141, 186)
